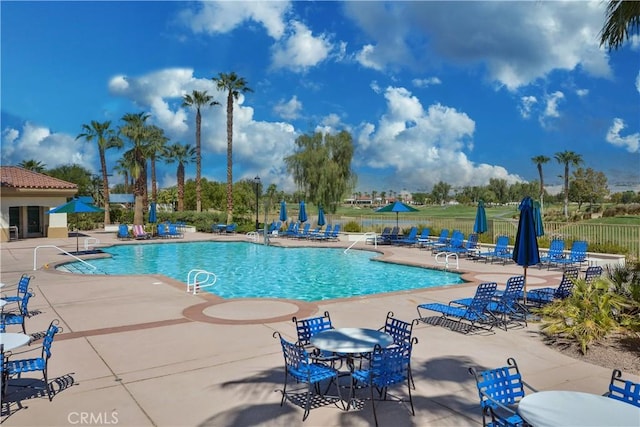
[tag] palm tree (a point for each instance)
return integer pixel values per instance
(233, 85)
(122, 167)
(567, 158)
(136, 129)
(106, 138)
(539, 161)
(623, 17)
(33, 165)
(182, 154)
(157, 141)
(198, 100)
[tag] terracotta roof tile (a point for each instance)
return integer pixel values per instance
(17, 177)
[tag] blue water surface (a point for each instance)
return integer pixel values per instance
(247, 270)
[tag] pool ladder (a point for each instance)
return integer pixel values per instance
(446, 259)
(199, 279)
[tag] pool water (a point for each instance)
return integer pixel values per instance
(247, 270)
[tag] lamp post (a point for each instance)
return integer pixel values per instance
(257, 182)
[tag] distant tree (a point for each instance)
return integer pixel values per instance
(181, 154)
(155, 149)
(76, 174)
(321, 167)
(33, 165)
(106, 138)
(588, 185)
(122, 167)
(440, 192)
(622, 18)
(499, 187)
(539, 161)
(567, 158)
(233, 85)
(198, 99)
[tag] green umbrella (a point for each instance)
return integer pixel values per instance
(75, 206)
(397, 207)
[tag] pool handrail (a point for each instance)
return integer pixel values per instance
(365, 237)
(35, 256)
(198, 279)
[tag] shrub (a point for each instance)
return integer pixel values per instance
(352, 227)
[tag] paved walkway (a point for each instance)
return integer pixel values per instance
(140, 351)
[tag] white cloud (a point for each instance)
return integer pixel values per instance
(423, 146)
(630, 142)
(426, 82)
(551, 107)
(288, 109)
(582, 92)
(638, 82)
(224, 16)
(516, 42)
(634, 39)
(52, 149)
(526, 103)
(300, 50)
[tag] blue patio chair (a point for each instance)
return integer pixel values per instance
(21, 289)
(174, 232)
(16, 317)
(388, 367)
(505, 306)
(500, 391)
(386, 232)
(475, 313)
(411, 239)
(577, 255)
(162, 230)
(306, 328)
(556, 251)
(304, 233)
(624, 390)
(424, 236)
(302, 369)
(231, 228)
(325, 235)
(335, 234)
(20, 366)
(542, 296)
(401, 332)
(391, 237)
(123, 232)
(593, 272)
(500, 250)
(455, 245)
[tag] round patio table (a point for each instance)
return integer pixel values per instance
(351, 340)
(11, 340)
(573, 408)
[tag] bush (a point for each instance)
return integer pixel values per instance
(352, 227)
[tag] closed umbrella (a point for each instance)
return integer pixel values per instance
(283, 211)
(480, 225)
(397, 207)
(152, 213)
(321, 220)
(537, 217)
(525, 251)
(75, 206)
(302, 214)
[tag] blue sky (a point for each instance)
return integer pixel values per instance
(459, 92)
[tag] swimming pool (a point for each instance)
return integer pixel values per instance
(247, 270)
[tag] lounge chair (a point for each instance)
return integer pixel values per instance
(411, 239)
(455, 245)
(139, 233)
(424, 236)
(304, 233)
(123, 232)
(323, 235)
(475, 313)
(335, 234)
(231, 228)
(441, 241)
(291, 230)
(593, 272)
(542, 296)
(577, 255)
(391, 237)
(500, 391)
(505, 306)
(556, 251)
(500, 251)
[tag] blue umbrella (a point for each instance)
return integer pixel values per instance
(302, 215)
(537, 217)
(525, 250)
(321, 220)
(397, 207)
(152, 213)
(283, 211)
(480, 226)
(75, 206)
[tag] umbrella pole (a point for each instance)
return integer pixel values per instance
(77, 237)
(524, 296)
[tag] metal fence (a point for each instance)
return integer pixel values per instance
(622, 236)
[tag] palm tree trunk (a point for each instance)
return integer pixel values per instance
(180, 179)
(198, 163)
(230, 158)
(566, 190)
(154, 182)
(105, 188)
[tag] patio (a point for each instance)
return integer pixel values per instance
(139, 350)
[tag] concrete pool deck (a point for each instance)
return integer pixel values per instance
(140, 351)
